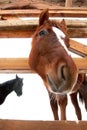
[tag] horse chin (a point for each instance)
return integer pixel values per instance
(19, 94)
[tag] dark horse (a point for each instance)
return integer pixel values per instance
(9, 86)
(49, 57)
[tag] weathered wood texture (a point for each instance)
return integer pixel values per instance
(40, 4)
(15, 27)
(60, 12)
(42, 125)
(68, 3)
(78, 48)
(12, 65)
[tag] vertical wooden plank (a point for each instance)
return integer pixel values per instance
(68, 3)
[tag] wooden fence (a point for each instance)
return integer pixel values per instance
(12, 25)
(42, 125)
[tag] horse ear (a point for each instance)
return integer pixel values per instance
(64, 29)
(44, 16)
(64, 26)
(16, 76)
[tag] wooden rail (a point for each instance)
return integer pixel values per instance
(21, 65)
(60, 12)
(12, 26)
(15, 27)
(14, 65)
(78, 48)
(42, 125)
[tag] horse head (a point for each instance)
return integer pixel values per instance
(18, 85)
(49, 55)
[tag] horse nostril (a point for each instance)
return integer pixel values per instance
(63, 72)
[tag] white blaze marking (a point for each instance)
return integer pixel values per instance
(60, 35)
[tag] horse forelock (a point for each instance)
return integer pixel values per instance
(54, 24)
(61, 36)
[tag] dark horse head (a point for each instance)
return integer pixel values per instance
(17, 87)
(9, 86)
(49, 56)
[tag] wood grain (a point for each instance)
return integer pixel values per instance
(21, 65)
(68, 3)
(15, 27)
(78, 48)
(60, 12)
(42, 125)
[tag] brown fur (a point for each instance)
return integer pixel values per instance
(50, 60)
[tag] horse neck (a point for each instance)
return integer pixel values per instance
(7, 87)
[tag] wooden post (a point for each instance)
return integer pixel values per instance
(68, 3)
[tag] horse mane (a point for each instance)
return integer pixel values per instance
(7, 82)
(62, 26)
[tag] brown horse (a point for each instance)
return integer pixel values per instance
(49, 56)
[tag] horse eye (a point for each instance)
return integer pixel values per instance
(43, 33)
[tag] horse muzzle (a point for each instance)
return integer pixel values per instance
(61, 80)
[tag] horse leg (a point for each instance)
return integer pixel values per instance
(85, 101)
(62, 100)
(54, 107)
(83, 96)
(76, 105)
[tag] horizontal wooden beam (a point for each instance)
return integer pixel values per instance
(42, 125)
(21, 65)
(14, 65)
(78, 48)
(60, 12)
(26, 33)
(24, 23)
(15, 27)
(81, 64)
